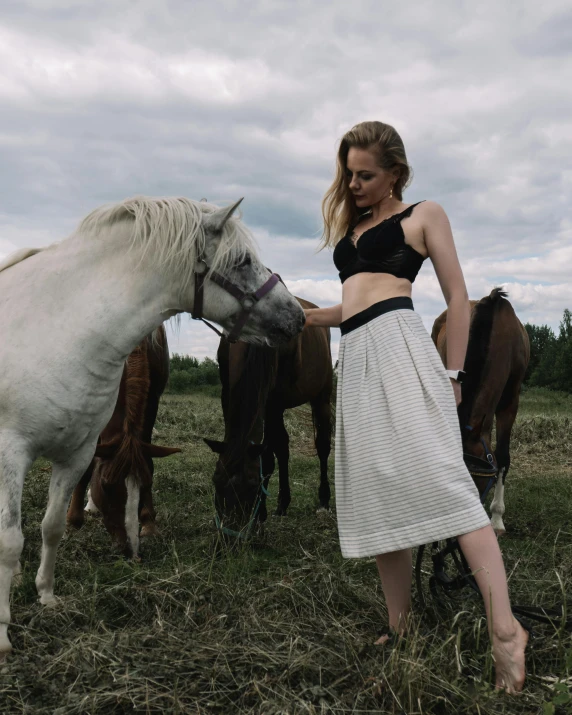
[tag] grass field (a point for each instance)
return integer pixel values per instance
(285, 625)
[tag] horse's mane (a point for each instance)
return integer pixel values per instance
(249, 396)
(478, 349)
(129, 457)
(170, 230)
(137, 381)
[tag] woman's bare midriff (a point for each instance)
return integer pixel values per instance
(364, 289)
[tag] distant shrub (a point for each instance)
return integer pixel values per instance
(550, 355)
(209, 372)
(188, 373)
(183, 362)
(180, 381)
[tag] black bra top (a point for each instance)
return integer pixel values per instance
(380, 249)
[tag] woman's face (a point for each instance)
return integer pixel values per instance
(368, 182)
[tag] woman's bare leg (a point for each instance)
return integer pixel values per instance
(508, 637)
(395, 572)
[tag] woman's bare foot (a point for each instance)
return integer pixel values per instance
(390, 637)
(383, 639)
(508, 654)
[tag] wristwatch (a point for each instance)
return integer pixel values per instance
(457, 375)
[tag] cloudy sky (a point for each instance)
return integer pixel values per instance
(103, 99)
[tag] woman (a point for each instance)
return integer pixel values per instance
(400, 476)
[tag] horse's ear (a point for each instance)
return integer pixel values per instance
(217, 447)
(156, 451)
(217, 219)
(255, 451)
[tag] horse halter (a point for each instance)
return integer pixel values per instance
(246, 533)
(478, 467)
(247, 300)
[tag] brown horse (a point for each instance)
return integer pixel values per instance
(258, 385)
(497, 357)
(121, 473)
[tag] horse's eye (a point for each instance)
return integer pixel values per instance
(246, 261)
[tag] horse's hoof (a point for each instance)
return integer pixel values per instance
(323, 510)
(279, 512)
(149, 530)
(48, 599)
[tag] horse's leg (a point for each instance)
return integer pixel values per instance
(147, 512)
(279, 441)
(64, 479)
(505, 418)
(322, 411)
(90, 506)
(14, 464)
(75, 515)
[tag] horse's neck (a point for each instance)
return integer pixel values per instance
(244, 429)
(252, 374)
(487, 397)
(84, 293)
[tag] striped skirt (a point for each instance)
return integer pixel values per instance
(400, 476)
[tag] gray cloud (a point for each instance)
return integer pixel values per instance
(106, 99)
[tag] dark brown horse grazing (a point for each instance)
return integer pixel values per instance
(497, 358)
(258, 385)
(121, 473)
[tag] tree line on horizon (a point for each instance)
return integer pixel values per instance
(550, 355)
(550, 361)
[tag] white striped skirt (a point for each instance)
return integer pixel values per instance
(400, 476)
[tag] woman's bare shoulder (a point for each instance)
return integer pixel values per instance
(433, 218)
(431, 209)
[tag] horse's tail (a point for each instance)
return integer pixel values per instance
(480, 331)
(18, 257)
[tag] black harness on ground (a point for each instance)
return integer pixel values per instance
(441, 582)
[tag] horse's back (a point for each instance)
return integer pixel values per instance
(509, 335)
(439, 331)
(304, 365)
(498, 342)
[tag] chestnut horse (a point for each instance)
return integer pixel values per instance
(497, 357)
(120, 475)
(258, 385)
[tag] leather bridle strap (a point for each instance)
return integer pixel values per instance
(197, 311)
(247, 300)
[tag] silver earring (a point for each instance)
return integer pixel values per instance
(391, 192)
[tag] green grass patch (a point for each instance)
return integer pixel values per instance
(284, 625)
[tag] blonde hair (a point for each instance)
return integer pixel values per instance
(338, 207)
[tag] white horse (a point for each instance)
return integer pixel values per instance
(71, 313)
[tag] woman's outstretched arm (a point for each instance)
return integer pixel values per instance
(324, 317)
